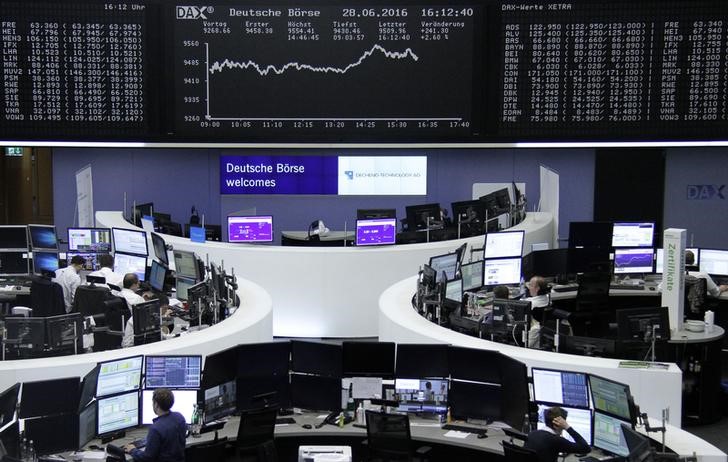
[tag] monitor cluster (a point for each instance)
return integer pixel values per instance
(28, 249)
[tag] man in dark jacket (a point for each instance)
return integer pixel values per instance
(548, 443)
(166, 437)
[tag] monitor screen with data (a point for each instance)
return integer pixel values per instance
(376, 231)
(560, 387)
(633, 261)
(126, 263)
(499, 271)
(130, 241)
(472, 275)
(579, 419)
(660, 256)
(714, 261)
(421, 395)
(184, 403)
(504, 244)
(633, 234)
(250, 229)
(610, 397)
(96, 240)
(454, 290)
(119, 376)
(117, 413)
(447, 263)
(608, 434)
(186, 264)
(172, 371)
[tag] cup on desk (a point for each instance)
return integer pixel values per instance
(709, 321)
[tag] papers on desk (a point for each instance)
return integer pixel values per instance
(456, 434)
(425, 424)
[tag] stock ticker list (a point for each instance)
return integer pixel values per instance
(332, 72)
(75, 69)
(613, 69)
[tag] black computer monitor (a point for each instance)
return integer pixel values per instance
(119, 376)
(45, 262)
(8, 403)
(608, 434)
(563, 388)
(186, 264)
(491, 205)
(429, 277)
(640, 449)
(610, 397)
(142, 210)
(467, 212)
(14, 263)
(633, 234)
(88, 388)
(447, 263)
(53, 434)
(422, 360)
(579, 419)
(96, 240)
(160, 249)
(218, 367)
(87, 424)
(316, 358)
(63, 331)
(128, 263)
(41, 398)
(368, 214)
(546, 263)
(474, 364)
(146, 317)
(421, 395)
(418, 216)
(642, 324)
(588, 259)
(472, 275)
(220, 400)
(29, 333)
(515, 402)
(263, 359)
(117, 413)
(157, 276)
(475, 400)
(588, 346)
(368, 359)
(43, 237)
(13, 237)
(316, 392)
(178, 371)
(502, 271)
(263, 391)
(503, 199)
(590, 234)
(130, 241)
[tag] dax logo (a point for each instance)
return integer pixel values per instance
(705, 191)
(349, 174)
(194, 12)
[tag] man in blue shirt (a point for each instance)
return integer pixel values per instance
(166, 437)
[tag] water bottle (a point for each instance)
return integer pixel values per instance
(526, 429)
(196, 422)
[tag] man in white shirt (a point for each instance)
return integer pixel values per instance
(69, 280)
(538, 291)
(131, 285)
(106, 262)
(713, 289)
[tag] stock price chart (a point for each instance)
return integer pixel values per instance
(332, 73)
(73, 70)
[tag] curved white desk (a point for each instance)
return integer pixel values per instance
(252, 322)
(329, 291)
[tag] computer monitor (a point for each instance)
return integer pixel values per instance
(429, 277)
(88, 387)
(185, 264)
(146, 317)
(642, 324)
(462, 360)
(447, 263)
(63, 331)
(608, 434)
(13, 237)
(563, 388)
(315, 392)
(633, 261)
(421, 395)
(262, 391)
(45, 262)
(41, 398)
(179, 371)
(588, 346)
(91, 260)
(119, 376)
(181, 287)
(250, 229)
(96, 240)
(8, 403)
(368, 214)
(127, 263)
(217, 367)
(633, 234)
(14, 263)
(422, 360)
(368, 359)
(220, 401)
(316, 358)
(502, 271)
(640, 449)
(87, 424)
(466, 212)
(454, 291)
(160, 248)
(660, 255)
(147, 223)
(579, 419)
(184, 403)
(419, 216)
(610, 397)
(130, 241)
(376, 231)
(713, 261)
(472, 275)
(197, 234)
(53, 434)
(29, 333)
(474, 400)
(263, 359)
(157, 276)
(43, 237)
(590, 234)
(504, 244)
(141, 210)
(116, 413)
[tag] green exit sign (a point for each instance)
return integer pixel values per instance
(14, 152)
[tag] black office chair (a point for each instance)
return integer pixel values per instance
(255, 435)
(89, 300)
(46, 297)
(110, 324)
(696, 290)
(207, 451)
(591, 314)
(515, 453)
(389, 438)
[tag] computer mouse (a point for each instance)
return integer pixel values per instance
(307, 426)
(482, 435)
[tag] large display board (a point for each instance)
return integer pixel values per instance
(482, 71)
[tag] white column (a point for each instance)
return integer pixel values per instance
(673, 275)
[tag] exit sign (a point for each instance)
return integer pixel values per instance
(14, 152)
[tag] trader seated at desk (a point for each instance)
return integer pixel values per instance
(538, 295)
(548, 443)
(713, 289)
(106, 262)
(165, 440)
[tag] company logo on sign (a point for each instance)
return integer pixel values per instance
(349, 174)
(193, 12)
(706, 191)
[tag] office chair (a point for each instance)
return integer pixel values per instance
(515, 453)
(207, 451)
(389, 438)
(46, 297)
(591, 314)
(255, 435)
(89, 300)
(110, 324)
(696, 290)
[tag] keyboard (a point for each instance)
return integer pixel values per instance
(465, 428)
(140, 443)
(626, 287)
(284, 420)
(565, 288)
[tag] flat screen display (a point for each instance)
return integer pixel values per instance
(220, 401)
(472, 275)
(185, 264)
(172, 371)
(560, 387)
(157, 275)
(160, 248)
(500, 271)
(182, 286)
(368, 359)
(250, 229)
(504, 244)
(119, 376)
(184, 403)
(660, 256)
(125, 263)
(89, 240)
(608, 434)
(454, 290)
(14, 263)
(130, 241)
(633, 234)
(633, 261)
(714, 262)
(610, 397)
(379, 231)
(43, 237)
(447, 263)
(45, 261)
(117, 413)
(13, 237)
(421, 395)
(197, 234)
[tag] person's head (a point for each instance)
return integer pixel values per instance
(77, 262)
(106, 260)
(689, 258)
(537, 286)
(428, 385)
(550, 414)
(501, 292)
(162, 401)
(131, 281)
